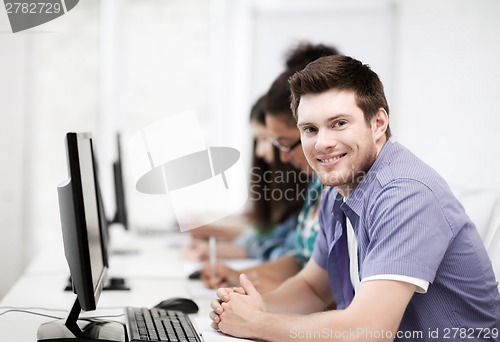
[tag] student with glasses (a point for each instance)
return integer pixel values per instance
(274, 202)
(286, 137)
(285, 149)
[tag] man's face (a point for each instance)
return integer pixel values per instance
(287, 136)
(337, 141)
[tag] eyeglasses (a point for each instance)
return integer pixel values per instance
(285, 149)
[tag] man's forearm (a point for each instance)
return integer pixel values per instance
(328, 326)
(374, 315)
(274, 327)
(280, 300)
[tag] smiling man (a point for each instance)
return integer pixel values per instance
(396, 251)
(339, 144)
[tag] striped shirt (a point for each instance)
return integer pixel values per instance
(270, 245)
(308, 222)
(408, 223)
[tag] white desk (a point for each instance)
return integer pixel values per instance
(157, 272)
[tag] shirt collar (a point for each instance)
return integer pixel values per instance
(357, 198)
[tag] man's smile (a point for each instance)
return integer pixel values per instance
(330, 159)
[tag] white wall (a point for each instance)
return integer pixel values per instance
(13, 126)
(48, 86)
(262, 32)
(174, 55)
(52, 82)
(447, 101)
(162, 67)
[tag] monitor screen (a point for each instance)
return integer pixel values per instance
(80, 221)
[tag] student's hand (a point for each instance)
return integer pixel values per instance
(224, 276)
(223, 295)
(197, 250)
(237, 312)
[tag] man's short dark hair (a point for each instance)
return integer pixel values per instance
(340, 73)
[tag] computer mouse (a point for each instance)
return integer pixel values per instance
(195, 275)
(185, 305)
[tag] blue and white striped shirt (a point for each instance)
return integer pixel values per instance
(407, 222)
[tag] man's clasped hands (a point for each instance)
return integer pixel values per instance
(237, 308)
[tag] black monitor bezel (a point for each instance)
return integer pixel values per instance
(121, 214)
(74, 225)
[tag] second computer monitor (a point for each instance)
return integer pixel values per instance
(120, 200)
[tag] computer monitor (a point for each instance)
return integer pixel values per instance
(113, 283)
(121, 205)
(83, 247)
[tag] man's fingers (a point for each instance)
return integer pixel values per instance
(214, 317)
(215, 305)
(215, 326)
(239, 290)
(247, 285)
(223, 293)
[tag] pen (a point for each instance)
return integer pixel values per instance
(213, 255)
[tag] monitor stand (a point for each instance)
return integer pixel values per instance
(81, 330)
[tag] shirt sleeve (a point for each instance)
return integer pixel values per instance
(408, 232)
(421, 285)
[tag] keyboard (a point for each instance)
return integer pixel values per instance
(159, 325)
